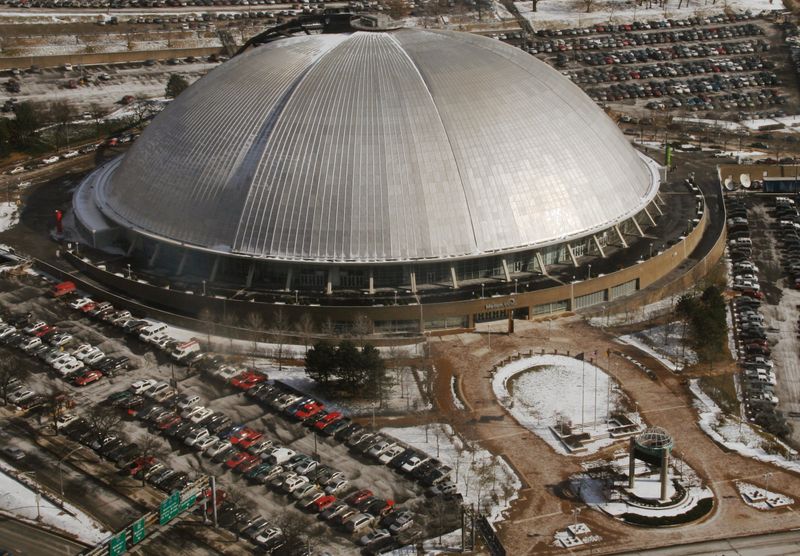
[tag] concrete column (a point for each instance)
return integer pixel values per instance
(181, 264)
(631, 465)
(599, 247)
(542, 266)
(664, 476)
(454, 277)
(154, 256)
(572, 255)
(132, 248)
(329, 283)
(214, 270)
(371, 282)
(658, 208)
(620, 236)
(250, 272)
(506, 273)
(288, 285)
(658, 196)
(649, 216)
(638, 227)
(413, 282)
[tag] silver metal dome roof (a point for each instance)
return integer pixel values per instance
(384, 146)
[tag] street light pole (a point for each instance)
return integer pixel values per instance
(589, 273)
(515, 286)
(61, 473)
(482, 290)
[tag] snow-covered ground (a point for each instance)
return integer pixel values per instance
(641, 314)
(456, 400)
(246, 347)
(736, 434)
(20, 500)
(545, 390)
(9, 215)
(791, 122)
(484, 479)
(665, 344)
(554, 14)
(762, 499)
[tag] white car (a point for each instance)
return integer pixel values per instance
(199, 416)
(20, 395)
(140, 386)
(65, 419)
(56, 358)
(17, 170)
(413, 463)
(225, 372)
(70, 367)
(31, 328)
(81, 351)
(337, 487)
(50, 159)
(157, 389)
(267, 535)
(94, 357)
(190, 411)
(293, 483)
(60, 339)
(390, 454)
(30, 344)
(81, 302)
(5, 331)
(70, 154)
(202, 444)
(375, 536)
(59, 364)
(196, 437)
(217, 447)
(189, 400)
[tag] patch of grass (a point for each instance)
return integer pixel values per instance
(722, 390)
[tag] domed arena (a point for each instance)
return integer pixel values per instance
(369, 167)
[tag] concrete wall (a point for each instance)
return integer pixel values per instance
(646, 272)
(23, 62)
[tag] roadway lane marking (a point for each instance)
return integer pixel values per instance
(535, 517)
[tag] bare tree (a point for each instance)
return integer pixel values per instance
(230, 320)
(152, 446)
(362, 326)
(305, 326)
(237, 497)
(328, 328)
(104, 419)
(10, 376)
(280, 324)
(256, 322)
(300, 539)
(97, 112)
(588, 4)
(62, 114)
(207, 318)
(58, 399)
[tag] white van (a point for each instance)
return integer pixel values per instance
(183, 350)
(151, 331)
(280, 455)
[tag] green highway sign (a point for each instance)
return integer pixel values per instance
(188, 503)
(169, 508)
(118, 545)
(137, 531)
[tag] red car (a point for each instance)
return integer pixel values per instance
(246, 437)
(322, 504)
(358, 496)
(250, 462)
(329, 419)
(237, 459)
(140, 463)
(44, 330)
(308, 410)
(248, 379)
(88, 307)
(168, 421)
(88, 377)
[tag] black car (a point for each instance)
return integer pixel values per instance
(224, 455)
(347, 432)
(404, 456)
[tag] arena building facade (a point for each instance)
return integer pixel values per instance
(358, 172)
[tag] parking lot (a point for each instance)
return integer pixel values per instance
(725, 64)
(272, 448)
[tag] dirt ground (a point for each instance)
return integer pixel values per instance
(544, 505)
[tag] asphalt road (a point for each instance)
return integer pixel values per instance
(26, 540)
(776, 544)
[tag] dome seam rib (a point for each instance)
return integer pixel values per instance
(446, 134)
